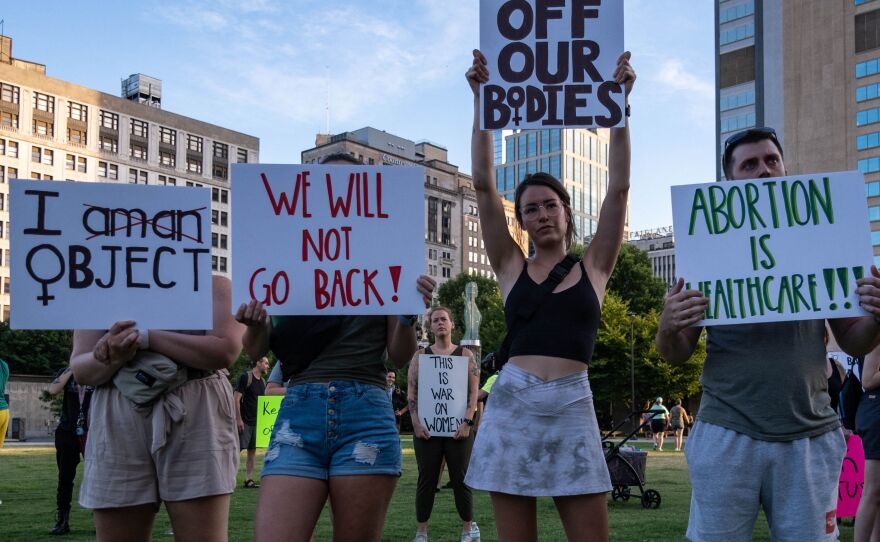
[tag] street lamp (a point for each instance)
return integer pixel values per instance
(632, 361)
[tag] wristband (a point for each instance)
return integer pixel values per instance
(143, 339)
(627, 110)
(407, 320)
(469, 421)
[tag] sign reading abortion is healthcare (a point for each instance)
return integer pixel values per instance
(777, 249)
(86, 255)
(551, 63)
(322, 239)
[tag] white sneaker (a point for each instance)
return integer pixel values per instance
(475, 532)
(420, 537)
(466, 537)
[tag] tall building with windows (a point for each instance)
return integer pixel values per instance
(659, 244)
(453, 238)
(53, 129)
(811, 70)
(577, 157)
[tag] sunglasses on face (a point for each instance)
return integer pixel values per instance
(736, 138)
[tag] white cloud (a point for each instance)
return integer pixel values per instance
(673, 75)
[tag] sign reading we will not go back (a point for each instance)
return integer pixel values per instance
(777, 249)
(328, 239)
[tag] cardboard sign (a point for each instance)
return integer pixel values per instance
(847, 362)
(443, 393)
(267, 410)
(86, 255)
(551, 63)
(776, 249)
(315, 239)
(852, 478)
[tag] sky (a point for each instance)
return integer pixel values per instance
(270, 68)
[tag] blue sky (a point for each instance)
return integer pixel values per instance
(268, 68)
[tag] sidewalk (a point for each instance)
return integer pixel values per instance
(35, 442)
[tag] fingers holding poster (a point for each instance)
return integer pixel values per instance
(322, 239)
(774, 249)
(85, 255)
(551, 63)
(443, 387)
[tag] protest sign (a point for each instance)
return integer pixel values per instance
(86, 255)
(852, 478)
(776, 249)
(443, 393)
(317, 239)
(846, 361)
(551, 63)
(267, 410)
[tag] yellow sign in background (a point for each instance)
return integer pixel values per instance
(267, 411)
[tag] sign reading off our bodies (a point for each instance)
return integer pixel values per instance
(85, 255)
(267, 410)
(551, 63)
(316, 239)
(775, 249)
(443, 393)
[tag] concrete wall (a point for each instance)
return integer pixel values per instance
(24, 402)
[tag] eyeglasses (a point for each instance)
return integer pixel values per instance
(737, 138)
(551, 207)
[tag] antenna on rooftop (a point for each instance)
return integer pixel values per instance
(327, 102)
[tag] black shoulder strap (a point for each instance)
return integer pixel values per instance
(525, 312)
(428, 350)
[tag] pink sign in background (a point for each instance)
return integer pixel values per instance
(852, 477)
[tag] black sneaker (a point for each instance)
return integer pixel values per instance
(250, 484)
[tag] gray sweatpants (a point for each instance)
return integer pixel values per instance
(733, 476)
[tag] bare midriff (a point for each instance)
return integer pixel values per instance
(548, 367)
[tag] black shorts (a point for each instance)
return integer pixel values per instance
(677, 425)
(658, 426)
(868, 423)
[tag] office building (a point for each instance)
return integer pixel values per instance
(54, 129)
(811, 70)
(578, 158)
(659, 244)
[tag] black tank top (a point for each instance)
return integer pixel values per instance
(835, 383)
(565, 324)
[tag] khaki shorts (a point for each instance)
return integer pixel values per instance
(184, 447)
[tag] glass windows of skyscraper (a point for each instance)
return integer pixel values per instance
(869, 165)
(545, 164)
(737, 33)
(868, 141)
(521, 147)
(740, 99)
(545, 143)
(875, 238)
(872, 189)
(511, 144)
(867, 92)
(521, 173)
(860, 2)
(868, 67)
(736, 12)
(533, 144)
(533, 166)
(874, 213)
(737, 122)
(555, 168)
(509, 178)
(868, 116)
(555, 135)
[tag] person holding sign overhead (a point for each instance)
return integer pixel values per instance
(539, 435)
(430, 449)
(181, 447)
(765, 413)
(335, 435)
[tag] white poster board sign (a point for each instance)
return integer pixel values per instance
(443, 393)
(777, 249)
(551, 63)
(328, 239)
(86, 255)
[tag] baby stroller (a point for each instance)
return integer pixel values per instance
(627, 467)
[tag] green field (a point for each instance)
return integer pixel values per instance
(27, 489)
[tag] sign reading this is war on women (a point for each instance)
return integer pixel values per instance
(551, 63)
(328, 239)
(443, 386)
(776, 249)
(267, 411)
(86, 255)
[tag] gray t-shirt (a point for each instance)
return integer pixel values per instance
(354, 354)
(767, 381)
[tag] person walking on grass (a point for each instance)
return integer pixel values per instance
(659, 420)
(679, 419)
(248, 389)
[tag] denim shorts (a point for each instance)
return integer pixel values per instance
(340, 428)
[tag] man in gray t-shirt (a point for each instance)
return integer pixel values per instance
(766, 435)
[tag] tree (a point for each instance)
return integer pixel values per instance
(610, 374)
(634, 281)
(492, 326)
(35, 352)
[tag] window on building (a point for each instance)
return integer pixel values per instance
(532, 139)
(224, 196)
(222, 264)
(76, 137)
(36, 176)
(8, 120)
(70, 162)
(215, 239)
(734, 101)
(433, 205)
(108, 144)
(77, 111)
(867, 92)
(44, 102)
(12, 149)
(447, 272)
(737, 122)
(167, 181)
(868, 67)
(36, 154)
(224, 241)
(109, 120)
(868, 141)
(446, 223)
(194, 165)
(167, 159)
(194, 143)
(43, 128)
(224, 218)
(869, 165)
(874, 213)
(140, 128)
(2, 175)
(48, 157)
(220, 171)
(138, 152)
(867, 31)
(242, 156)
(737, 67)
(875, 238)
(9, 93)
(736, 33)
(221, 150)
(81, 164)
(872, 189)
(215, 216)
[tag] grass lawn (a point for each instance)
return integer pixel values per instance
(27, 489)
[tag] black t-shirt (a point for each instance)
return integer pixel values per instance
(249, 396)
(398, 398)
(70, 407)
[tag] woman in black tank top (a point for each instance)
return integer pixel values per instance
(545, 386)
(432, 450)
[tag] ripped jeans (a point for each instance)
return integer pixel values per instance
(341, 428)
